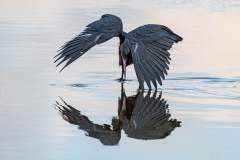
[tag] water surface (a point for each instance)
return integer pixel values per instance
(202, 90)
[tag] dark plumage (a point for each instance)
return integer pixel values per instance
(145, 47)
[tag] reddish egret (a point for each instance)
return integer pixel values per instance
(145, 47)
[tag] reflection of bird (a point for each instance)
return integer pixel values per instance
(150, 117)
(146, 47)
(106, 134)
(141, 117)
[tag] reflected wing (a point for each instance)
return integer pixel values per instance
(97, 32)
(150, 111)
(74, 116)
(150, 118)
(104, 133)
(149, 48)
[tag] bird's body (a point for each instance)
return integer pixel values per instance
(124, 54)
(145, 47)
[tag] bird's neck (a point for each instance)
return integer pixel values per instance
(122, 37)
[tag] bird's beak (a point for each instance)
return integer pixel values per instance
(124, 65)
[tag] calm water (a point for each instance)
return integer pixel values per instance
(196, 117)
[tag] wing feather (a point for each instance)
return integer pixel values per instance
(97, 32)
(149, 49)
(150, 118)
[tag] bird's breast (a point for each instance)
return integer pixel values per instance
(125, 53)
(126, 56)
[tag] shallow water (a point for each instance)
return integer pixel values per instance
(202, 88)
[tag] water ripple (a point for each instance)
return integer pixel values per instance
(208, 79)
(204, 87)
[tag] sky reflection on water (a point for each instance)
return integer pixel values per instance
(202, 88)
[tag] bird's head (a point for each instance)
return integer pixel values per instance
(113, 21)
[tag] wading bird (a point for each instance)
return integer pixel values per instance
(145, 47)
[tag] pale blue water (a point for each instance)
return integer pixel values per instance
(202, 89)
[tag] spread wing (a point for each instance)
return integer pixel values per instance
(149, 48)
(107, 27)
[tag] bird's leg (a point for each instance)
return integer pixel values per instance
(124, 66)
(123, 75)
(140, 89)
